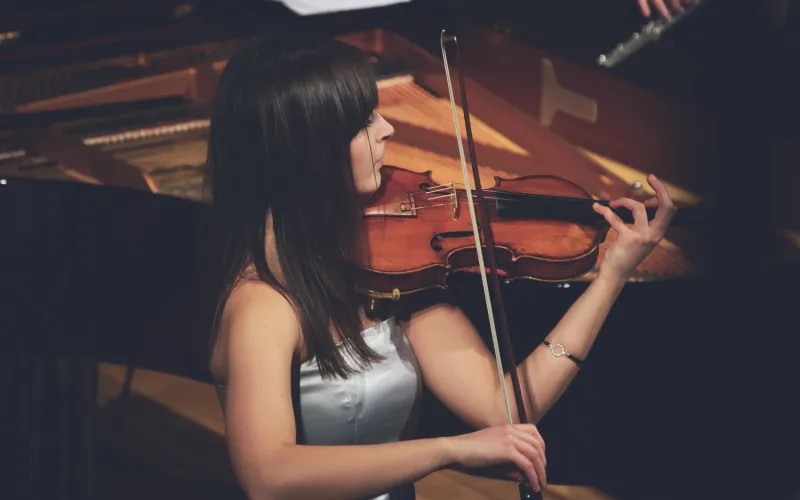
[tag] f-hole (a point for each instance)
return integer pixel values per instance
(437, 238)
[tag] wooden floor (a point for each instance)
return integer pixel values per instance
(171, 445)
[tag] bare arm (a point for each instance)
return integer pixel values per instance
(453, 356)
(543, 377)
(261, 335)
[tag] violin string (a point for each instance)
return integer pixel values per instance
(507, 197)
(435, 189)
(499, 195)
(405, 198)
(496, 197)
(420, 201)
(449, 185)
(420, 207)
(439, 187)
(439, 197)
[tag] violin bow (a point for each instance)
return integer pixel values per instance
(524, 489)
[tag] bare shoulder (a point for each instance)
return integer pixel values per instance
(256, 318)
(258, 340)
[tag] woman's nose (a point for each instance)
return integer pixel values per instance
(386, 130)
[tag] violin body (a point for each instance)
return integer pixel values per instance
(420, 232)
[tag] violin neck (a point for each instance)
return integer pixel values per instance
(579, 210)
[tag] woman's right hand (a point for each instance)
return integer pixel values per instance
(520, 444)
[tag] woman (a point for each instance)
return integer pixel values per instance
(319, 400)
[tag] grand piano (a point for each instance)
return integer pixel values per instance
(103, 122)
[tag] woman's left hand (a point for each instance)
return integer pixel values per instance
(634, 242)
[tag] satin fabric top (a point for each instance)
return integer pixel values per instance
(378, 405)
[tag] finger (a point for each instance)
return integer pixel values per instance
(676, 5)
(666, 207)
(651, 202)
(612, 219)
(527, 467)
(536, 456)
(661, 8)
(531, 434)
(661, 190)
(644, 7)
(640, 222)
(532, 448)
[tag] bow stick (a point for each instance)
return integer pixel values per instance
(524, 489)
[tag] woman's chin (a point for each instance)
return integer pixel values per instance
(368, 187)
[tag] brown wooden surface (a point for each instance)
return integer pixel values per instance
(547, 152)
(426, 126)
(179, 83)
(629, 131)
(73, 154)
(630, 124)
(172, 155)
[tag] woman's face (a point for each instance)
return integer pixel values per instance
(366, 153)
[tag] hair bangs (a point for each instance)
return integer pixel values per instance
(340, 82)
(357, 90)
(284, 117)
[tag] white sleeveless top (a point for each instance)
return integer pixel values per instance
(378, 405)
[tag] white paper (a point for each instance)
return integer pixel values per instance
(311, 7)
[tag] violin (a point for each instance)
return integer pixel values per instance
(538, 227)
(544, 229)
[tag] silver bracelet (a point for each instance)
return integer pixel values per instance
(558, 351)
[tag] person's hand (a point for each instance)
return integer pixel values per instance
(663, 7)
(519, 444)
(636, 241)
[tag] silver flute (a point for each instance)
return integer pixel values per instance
(649, 33)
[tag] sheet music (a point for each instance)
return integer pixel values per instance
(311, 7)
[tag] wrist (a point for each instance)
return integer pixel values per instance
(612, 280)
(447, 451)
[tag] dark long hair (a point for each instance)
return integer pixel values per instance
(283, 118)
